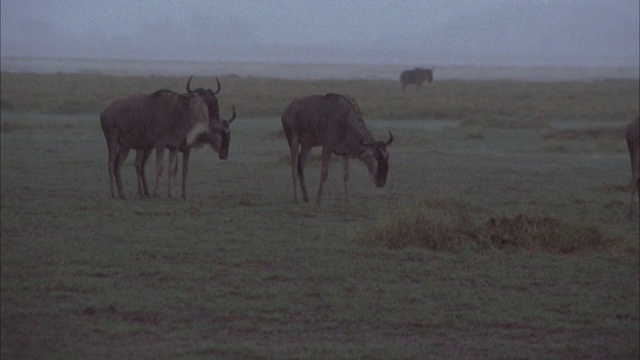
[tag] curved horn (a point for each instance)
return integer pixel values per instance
(189, 83)
(390, 139)
(217, 91)
(233, 116)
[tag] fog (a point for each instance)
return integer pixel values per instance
(417, 32)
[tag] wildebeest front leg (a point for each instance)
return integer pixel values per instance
(159, 161)
(185, 170)
(345, 177)
(173, 169)
(324, 171)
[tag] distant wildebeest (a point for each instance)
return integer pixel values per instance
(416, 76)
(334, 122)
(218, 137)
(633, 143)
(159, 120)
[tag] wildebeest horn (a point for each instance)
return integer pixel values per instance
(217, 91)
(233, 116)
(189, 83)
(390, 139)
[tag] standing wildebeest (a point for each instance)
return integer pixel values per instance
(416, 76)
(218, 136)
(633, 143)
(159, 120)
(334, 122)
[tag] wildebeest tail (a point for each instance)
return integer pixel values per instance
(287, 132)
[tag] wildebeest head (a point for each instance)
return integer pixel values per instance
(429, 74)
(225, 135)
(209, 97)
(378, 149)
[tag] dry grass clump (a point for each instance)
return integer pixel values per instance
(543, 234)
(434, 224)
(448, 226)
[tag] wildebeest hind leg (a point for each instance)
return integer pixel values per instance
(293, 148)
(119, 160)
(345, 177)
(141, 160)
(111, 166)
(159, 161)
(173, 168)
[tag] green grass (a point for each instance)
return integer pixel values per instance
(538, 259)
(506, 104)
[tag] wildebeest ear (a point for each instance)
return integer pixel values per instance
(371, 145)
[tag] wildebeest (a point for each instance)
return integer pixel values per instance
(218, 137)
(633, 143)
(334, 122)
(416, 76)
(159, 120)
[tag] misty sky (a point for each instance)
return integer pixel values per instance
(420, 32)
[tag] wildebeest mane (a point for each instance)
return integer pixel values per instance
(359, 123)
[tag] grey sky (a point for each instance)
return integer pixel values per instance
(447, 32)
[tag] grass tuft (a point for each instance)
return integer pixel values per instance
(544, 234)
(436, 224)
(445, 225)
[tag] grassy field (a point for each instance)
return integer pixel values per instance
(501, 232)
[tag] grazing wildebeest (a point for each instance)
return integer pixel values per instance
(633, 143)
(416, 76)
(218, 137)
(334, 122)
(159, 120)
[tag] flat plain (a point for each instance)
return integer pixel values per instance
(501, 232)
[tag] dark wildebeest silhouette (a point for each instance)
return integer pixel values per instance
(159, 120)
(218, 138)
(334, 122)
(633, 143)
(416, 77)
